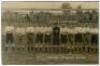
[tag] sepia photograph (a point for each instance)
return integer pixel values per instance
(50, 33)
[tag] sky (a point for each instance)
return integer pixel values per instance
(47, 5)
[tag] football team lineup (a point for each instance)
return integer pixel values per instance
(64, 35)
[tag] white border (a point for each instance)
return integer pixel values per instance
(48, 0)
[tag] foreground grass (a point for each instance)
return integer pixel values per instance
(25, 57)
